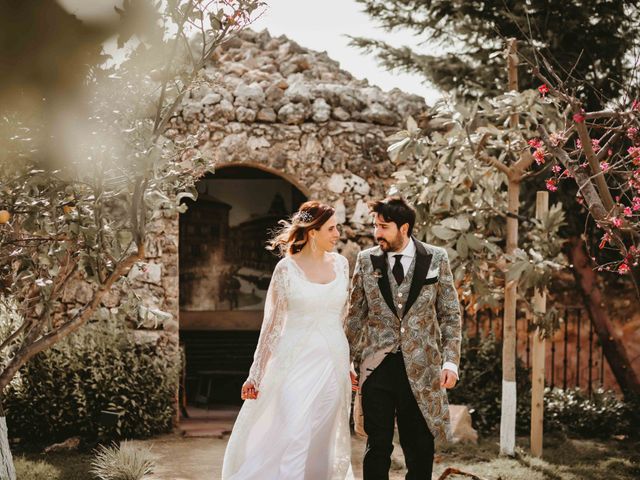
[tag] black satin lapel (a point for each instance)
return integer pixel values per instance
(423, 262)
(380, 264)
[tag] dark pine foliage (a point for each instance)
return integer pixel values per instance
(590, 42)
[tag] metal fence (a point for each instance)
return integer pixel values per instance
(574, 356)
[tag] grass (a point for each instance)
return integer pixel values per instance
(565, 459)
(53, 466)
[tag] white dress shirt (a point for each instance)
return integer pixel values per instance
(407, 257)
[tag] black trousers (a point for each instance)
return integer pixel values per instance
(386, 394)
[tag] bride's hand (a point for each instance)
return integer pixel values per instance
(354, 381)
(249, 391)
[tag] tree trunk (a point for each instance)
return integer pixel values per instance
(7, 470)
(612, 346)
(509, 393)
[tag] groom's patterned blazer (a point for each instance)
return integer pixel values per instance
(428, 329)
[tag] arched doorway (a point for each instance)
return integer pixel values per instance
(224, 274)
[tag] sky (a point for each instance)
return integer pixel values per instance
(316, 24)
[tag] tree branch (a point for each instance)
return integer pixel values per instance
(30, 350)
(585, 186)
(594, 164)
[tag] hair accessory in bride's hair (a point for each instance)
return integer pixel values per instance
(304, 217)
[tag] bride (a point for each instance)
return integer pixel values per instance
(294, 424)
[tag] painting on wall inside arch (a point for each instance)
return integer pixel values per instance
(224, 265)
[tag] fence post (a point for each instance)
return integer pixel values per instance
(538, 352)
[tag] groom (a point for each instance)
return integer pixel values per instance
(403, 328)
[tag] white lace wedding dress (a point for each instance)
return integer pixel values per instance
(298, 427)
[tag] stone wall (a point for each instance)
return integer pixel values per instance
(268, 103)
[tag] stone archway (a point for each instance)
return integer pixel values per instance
(225, 271)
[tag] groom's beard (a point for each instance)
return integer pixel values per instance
(390, 246)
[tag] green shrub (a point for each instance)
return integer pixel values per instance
(573, 412)
(570, 411)
(480, 386)
(61, 392)
(123, 462)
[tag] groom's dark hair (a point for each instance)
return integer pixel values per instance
(395, 209)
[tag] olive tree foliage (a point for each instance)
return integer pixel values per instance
(84, 169)
(459, 189)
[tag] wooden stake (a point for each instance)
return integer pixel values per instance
(538, 352)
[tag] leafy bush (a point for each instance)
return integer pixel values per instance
(124, 462)
(61, 392)
(570, 411)
(573, 412)
(480, 386)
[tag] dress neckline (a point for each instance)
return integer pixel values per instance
(304, 275)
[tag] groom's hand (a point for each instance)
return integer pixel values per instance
(249, 391)
(448, 379)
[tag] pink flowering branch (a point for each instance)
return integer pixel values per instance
(594, 164)
(585, 185)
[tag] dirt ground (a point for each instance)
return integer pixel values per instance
(197, 451)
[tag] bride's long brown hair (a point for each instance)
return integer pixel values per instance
(293, 234)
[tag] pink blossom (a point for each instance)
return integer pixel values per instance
(556, 139)
(623, 268)
(609, 152)
(604, 166)
(632, 132)
(535, 143)
(579, 117)
(538, 155)
(556, 169)
(628, 212)
(617, 222)
(634, 151)
(595, 144)
(604, 240)
(543, 89)
(635, 105)
(551, 185)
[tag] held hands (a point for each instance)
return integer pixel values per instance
(448, 379)
(354, 381)
(249, 391)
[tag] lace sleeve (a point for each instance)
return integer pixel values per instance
(275, 312)
(343, 269)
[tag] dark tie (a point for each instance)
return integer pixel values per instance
(397, 270)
